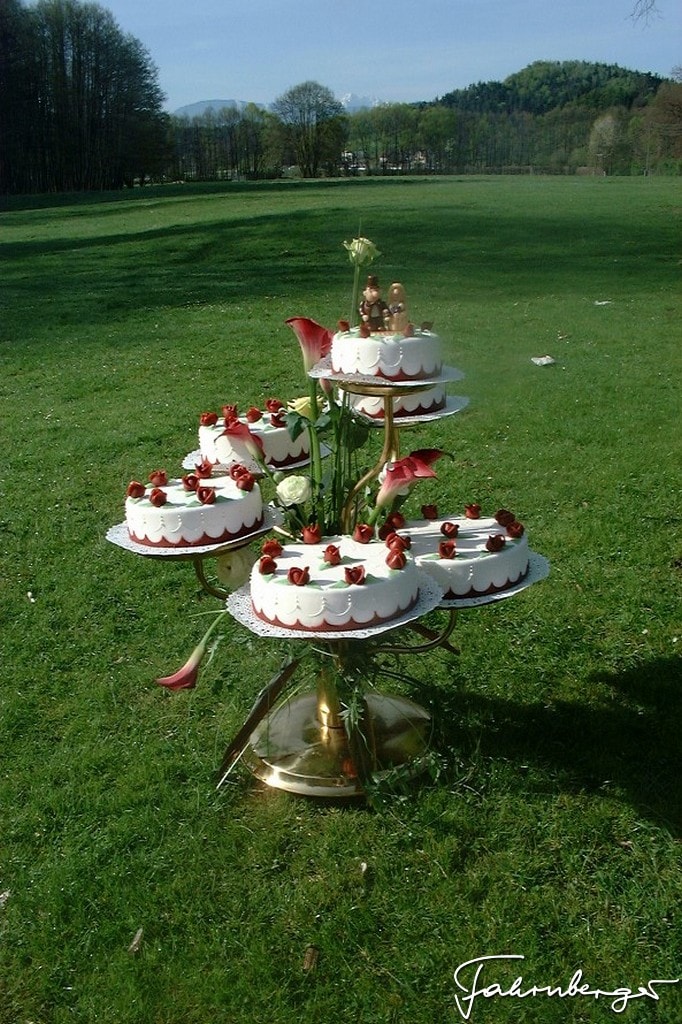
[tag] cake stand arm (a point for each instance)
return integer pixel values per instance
(210, 588)
(434, 639)
(263, 703)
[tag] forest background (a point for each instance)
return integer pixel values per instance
(81, 109)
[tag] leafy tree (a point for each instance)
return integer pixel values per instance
(89, 105)
(313, 122)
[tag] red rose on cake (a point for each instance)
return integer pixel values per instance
(158, 478)
(311, 534)
(430, 511)
(447, 549)
(515, 530)
(253, 414)
(206, 495)
(267, 565)
(449, 530)
(504, 517)
(495, 542)
(203, 469)
(354, 575)
(208, 419)
(272, 547)
(297, 576)
(158, 497)
(472, 511)
(363, 533)
(331, 555)
(396, 558)
(135, 489)
(190, 481)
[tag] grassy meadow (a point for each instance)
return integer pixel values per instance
(131, 892)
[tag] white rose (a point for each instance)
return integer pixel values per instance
(361, 250)
(293, 490)
(234, 567)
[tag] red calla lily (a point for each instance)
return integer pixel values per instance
(240, 432)
(186, 677)
(405, 472)
(314, 339)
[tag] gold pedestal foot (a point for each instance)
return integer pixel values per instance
(294, 748)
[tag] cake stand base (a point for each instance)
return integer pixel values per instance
(293, 750)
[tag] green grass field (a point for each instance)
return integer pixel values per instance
(553, 830)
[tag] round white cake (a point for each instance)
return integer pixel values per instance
(468, 567)
(359, 591)
(279, 451)
(389, 356)
(421, 403)
(212, 511)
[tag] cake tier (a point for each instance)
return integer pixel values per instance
(422, 403)
(474, 571)
(183, 521)
(278, 448)
(392, 357)
(328, 602)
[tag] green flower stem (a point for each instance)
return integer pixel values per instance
(315, 454)
(356, 292)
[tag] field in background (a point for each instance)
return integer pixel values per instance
(553, 830)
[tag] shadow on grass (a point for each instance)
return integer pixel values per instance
(627, 747)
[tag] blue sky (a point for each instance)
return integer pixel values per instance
(395, 50)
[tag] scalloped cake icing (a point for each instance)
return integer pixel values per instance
(474, 571)
(387, 355)
(327, 603)
(184, 522)
(421, 403)
(279, 449)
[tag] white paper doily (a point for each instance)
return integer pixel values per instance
(323, 369)
(119, 535)
(240, 607)
(538, 569)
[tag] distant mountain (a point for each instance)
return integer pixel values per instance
(351, 102)
(199, 108)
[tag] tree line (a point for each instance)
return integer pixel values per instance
(81, 109)
(80, 103)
